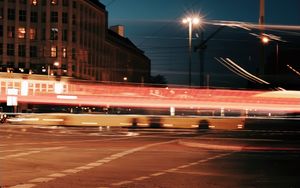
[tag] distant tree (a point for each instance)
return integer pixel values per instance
(158, 80)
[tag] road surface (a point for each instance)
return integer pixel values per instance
(52, 156)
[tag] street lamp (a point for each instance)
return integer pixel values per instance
(190, 21)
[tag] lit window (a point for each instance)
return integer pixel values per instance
(32, 33)
(53, 51)
(21, 32)
(64, 52)
(34, 2)
(54, 2)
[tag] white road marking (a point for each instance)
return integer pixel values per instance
(141, 178)
(23, 186)
(72, 171)
(94, 164)
(121, 183)
(183, 166)
(30, 152)
(84, 167)
(158, 174)
(172, 170)
(98, 163)
(41, 180)
(103, 161)
(57, 175)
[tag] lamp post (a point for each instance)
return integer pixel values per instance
(190, 21)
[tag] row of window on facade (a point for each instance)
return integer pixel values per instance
(21, 33)
(11, 15)
(33, 51)
(43, 2)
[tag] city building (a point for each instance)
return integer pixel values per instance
(67, 38)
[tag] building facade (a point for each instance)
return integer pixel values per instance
(67, 38)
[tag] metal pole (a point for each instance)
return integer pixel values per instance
(277, 57)
(48, 70)
(261, 71)
(201, 56)
(190, 52)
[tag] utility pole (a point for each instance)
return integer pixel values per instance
(262, 51)
(200, 48)
(262, 12)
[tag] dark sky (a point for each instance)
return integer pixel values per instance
(155, 27)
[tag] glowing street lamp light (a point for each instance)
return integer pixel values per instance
(191, 21)
(265, 40)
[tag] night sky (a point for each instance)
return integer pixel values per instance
(155, 27)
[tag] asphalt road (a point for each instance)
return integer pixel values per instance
(50, 156)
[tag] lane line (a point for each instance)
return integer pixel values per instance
(23, 186)
(175, 170)
(31, 152)
(97, 163)
(71, 171)
(121, 183)
(57, 175)
(84, 167)
(141, 178)
(158, 174)
(41, 180)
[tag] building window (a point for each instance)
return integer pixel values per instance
(54, 2)
(34, 17)
(44, 2)
(54, 17)
(74, 36)
(34, 2)
(1, 30)
(10, 49)
(22, 15)
(32, 33)
(74, 5)
(54, 34)
(1, 49)
(11, 32)
(53, 52)
(65, 17)
(22, 50)
(65, 35)
(22, 65)
(64, 52)
(43, 34)
(23, 2)
(74, 19)
(10, 64)
(43, 17)
(65, 3)
(1, 13)
(11, 14)
(74, 53)
(21, 32)
(33, 51)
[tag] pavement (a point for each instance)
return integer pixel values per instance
(236, 146)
